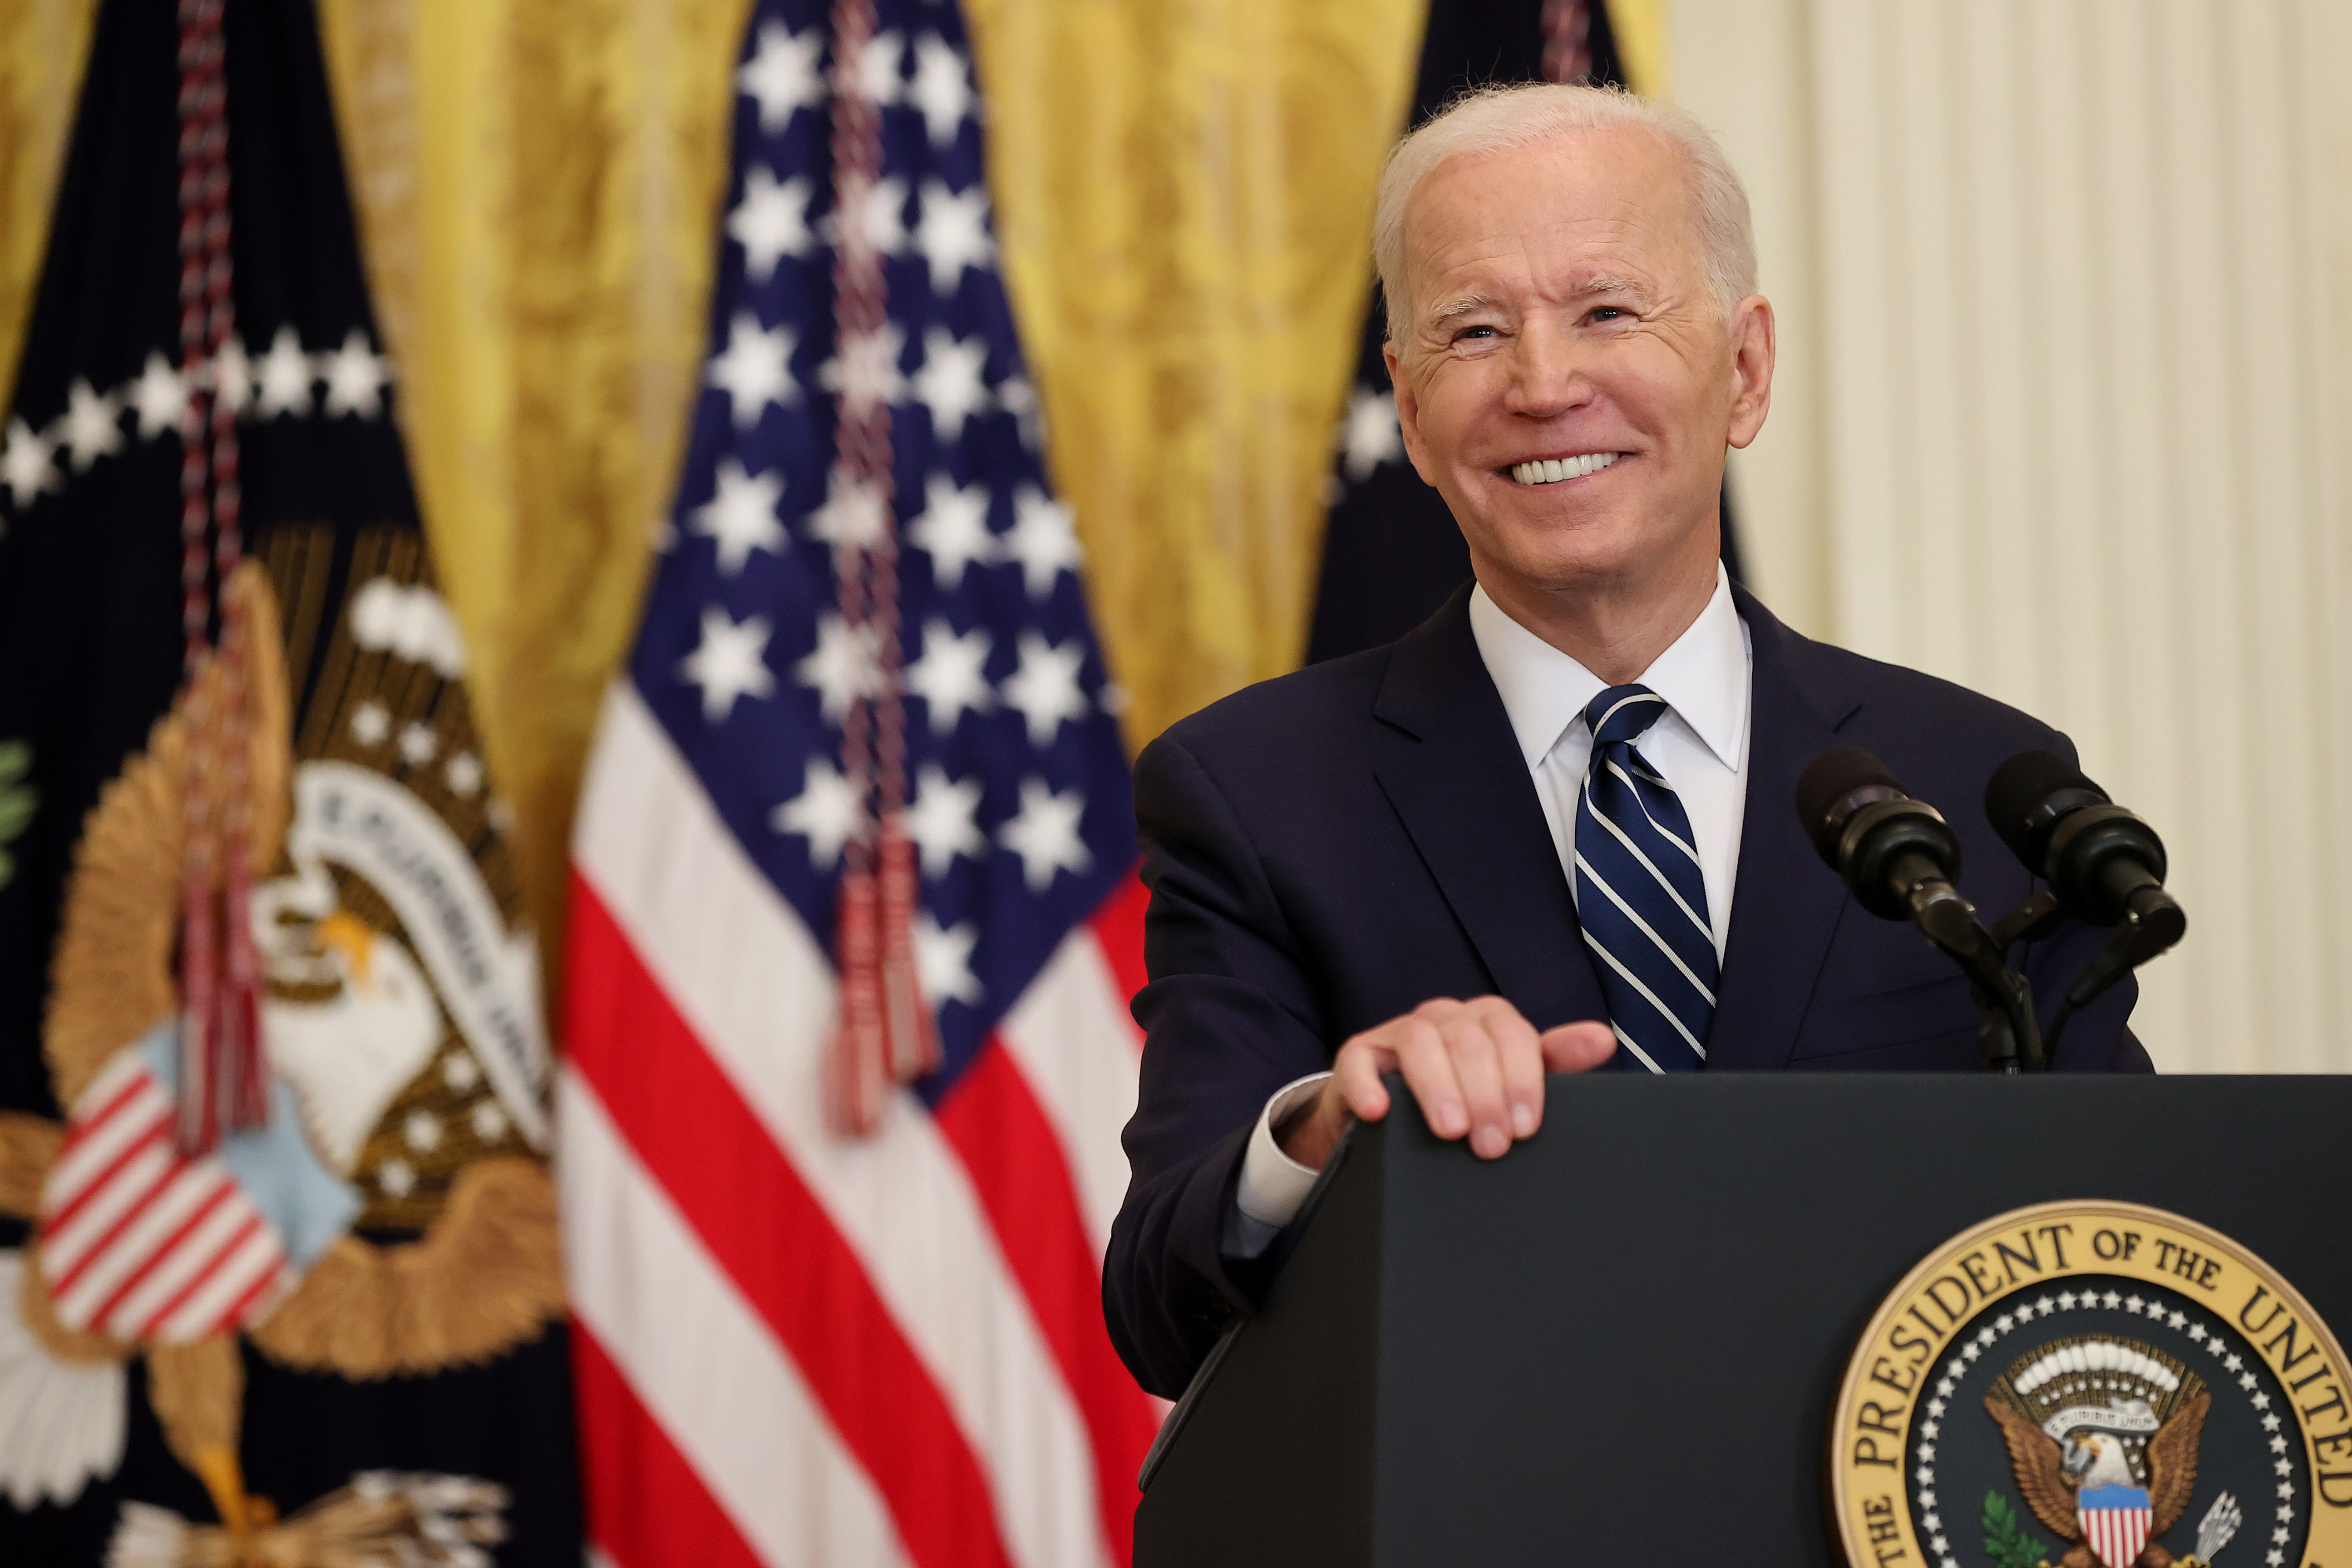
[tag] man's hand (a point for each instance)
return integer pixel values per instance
(1476, 1067)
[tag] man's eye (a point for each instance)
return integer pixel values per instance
(1607, 312)
(1474, 332)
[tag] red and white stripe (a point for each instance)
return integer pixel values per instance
(139, 1242)
(800, 1349)
(2117, 1536)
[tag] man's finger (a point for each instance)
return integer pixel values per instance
(1476, 1057)
(1578, 1047)
(1358, 1070)
(1428, 1070)
(1521, 1053)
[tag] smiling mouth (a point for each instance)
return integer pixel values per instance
(1554, 470)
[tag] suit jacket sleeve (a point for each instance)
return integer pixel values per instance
(1231, 1015)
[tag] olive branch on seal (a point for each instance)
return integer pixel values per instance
(17, 800)
(2005, 1539)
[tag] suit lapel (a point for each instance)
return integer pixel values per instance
(1452, 769)
(1453, 773)
(1785, 904)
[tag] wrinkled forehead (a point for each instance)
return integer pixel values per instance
(1612, 204)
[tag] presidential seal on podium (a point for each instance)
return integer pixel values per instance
(2088, 1385)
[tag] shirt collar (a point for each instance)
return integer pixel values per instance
(1703, 677)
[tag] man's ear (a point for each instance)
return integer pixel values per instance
(1753, 349)
(1408, 412)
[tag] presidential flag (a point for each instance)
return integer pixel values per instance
(277, 1273)
(854, 920)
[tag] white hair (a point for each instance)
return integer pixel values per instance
(1504, 119)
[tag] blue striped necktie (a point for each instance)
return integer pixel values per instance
(1639, 895)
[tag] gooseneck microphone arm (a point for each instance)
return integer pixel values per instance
(1902, 860)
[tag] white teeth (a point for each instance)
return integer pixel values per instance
(1552, 470)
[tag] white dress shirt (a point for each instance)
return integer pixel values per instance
(1700, 747)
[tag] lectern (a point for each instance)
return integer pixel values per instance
(1622, 1343)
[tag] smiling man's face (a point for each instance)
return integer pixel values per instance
(1566, 378)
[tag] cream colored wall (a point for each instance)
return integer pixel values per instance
(1742, 64)
(2065, 290)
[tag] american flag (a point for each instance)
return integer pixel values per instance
(797, 1346)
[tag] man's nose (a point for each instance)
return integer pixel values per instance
(1549, 377)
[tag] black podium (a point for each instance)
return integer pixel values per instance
(1620, 1343)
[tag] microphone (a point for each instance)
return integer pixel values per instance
(1898, 855)
(1901, 859)
(2103, 863)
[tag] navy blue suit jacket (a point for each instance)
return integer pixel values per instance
(1330, 849)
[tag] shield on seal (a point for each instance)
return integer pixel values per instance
(2114, 1522)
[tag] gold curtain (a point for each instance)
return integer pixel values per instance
(43, 43)
(1184, 193)
(1642, 35)
(536, 184)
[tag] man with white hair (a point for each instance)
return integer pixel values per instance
(1551, 829)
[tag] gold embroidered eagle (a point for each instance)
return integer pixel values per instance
(2050, 1476)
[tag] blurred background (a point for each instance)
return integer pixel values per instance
(2065, 294)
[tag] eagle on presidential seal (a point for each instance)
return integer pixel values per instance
(2103, 1434)
(393, 1214)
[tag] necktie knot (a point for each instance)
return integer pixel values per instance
(1622, 714)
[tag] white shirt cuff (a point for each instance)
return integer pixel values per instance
(1272, 1184)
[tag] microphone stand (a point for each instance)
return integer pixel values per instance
(2007, 1030)
(2147, 928)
